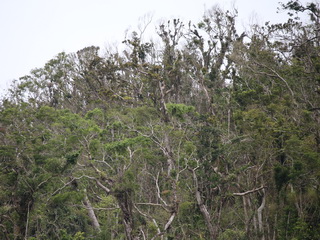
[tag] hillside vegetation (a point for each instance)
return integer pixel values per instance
(206, 134)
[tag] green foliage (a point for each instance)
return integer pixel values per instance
(55, 165)
(94, 114)
(72, 158)
(65, 236)
(122, 145)
(141, 138)
(152, 228)
(231, 234)
(46, 113)
(281, 176)
(143, 114)
(185, 208)
(64, 198)
(126, 184)
(179, 110)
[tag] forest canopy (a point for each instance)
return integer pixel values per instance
(209, 133)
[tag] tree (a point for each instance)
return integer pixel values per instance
(205, 135)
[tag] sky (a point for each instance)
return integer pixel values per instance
(34, 31)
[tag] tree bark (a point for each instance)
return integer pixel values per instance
(91, 213)
(163, 107)
(168, 153)
(246, 216)
(259, 212)
(203, 208)
(125, 204)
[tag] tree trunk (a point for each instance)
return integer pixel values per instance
(163, 107)
(91, 213)
(168, 153)
(125, 204)
(260, 221)
(246, 216)
(203, 209)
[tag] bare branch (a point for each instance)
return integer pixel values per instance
(104, 162)
(107, 190)
(158, 191)
(65, 185)
(169, 221)
(166, 227)
(147, 216)
(276, 74)
(248, 192)
(150, 204)
(202, 205)
(78, 178)
(43, 182)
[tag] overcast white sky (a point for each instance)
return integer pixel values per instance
(34, 31)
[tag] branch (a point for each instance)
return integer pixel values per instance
(314, 109)
(95, 208)
(43, 182)
(27, 223)
(277, 75)
(158, 191)
(166, 227)
(5, 231)
(104, 162)
(150, 204)
(145, 215)
(248, 192)
(202, 206)
(107, 190)
(169, 221)
(64, 186)
(78, 178)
